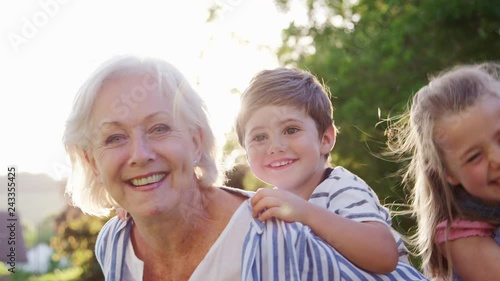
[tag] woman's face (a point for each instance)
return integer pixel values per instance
(144, 157)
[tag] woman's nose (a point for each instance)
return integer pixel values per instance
(141, 152)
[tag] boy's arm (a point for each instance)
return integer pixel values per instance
(475, 258)
(368, 245)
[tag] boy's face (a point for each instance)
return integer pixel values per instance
(284, 148)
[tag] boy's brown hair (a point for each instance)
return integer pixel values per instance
(286, 87)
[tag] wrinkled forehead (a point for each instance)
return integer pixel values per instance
(130, 96)
(131, 90)
(142, 80)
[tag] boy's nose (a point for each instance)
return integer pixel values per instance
(141, 152)
(277, 145)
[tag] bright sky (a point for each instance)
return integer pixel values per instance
(49, 47)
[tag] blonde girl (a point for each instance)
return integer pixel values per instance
(451, 137)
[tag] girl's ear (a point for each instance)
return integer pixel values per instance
(328, 140)
(451, 179)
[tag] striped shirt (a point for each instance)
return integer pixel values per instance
(347, 195)
(272, 250)
(276, 250)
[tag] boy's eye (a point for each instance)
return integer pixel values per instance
(259, 138)
(291, 131)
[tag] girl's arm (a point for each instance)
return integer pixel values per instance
(369, 245)
(475, 258)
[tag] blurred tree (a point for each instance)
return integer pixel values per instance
(75, 239)
(373, 55)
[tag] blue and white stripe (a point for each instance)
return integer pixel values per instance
(110, 248)
(276, 250)
(345, 194)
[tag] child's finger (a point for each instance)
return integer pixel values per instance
(121, 214)
(261, 193)
(255, 198)
(265, 203)
(275, 212)
(268, 213)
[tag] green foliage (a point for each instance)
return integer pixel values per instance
(29, 234)
(251, 182)
(75, 239)
(70, 274)
(3, 269)
(373, 55)
(19, 275)
(42, 233)
(46, 230)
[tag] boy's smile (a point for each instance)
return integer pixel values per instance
(284, 148)
(281, 163)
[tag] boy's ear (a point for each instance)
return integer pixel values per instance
(328, 140)
(91, 161)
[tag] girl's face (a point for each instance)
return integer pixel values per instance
(284, 148)
(143, 155)
(470, 142)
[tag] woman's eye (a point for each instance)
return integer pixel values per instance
(158, 129)
(291, 131)
(114, 139)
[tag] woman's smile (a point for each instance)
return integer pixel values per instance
(147, 182)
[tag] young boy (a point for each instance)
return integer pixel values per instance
(285, 125)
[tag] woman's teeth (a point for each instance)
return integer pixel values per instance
(147, 180)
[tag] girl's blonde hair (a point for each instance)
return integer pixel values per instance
(413, 138)
(83, 187)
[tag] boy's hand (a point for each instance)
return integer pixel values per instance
(284, 205)
(121, 214)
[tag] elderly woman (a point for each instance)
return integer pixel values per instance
(139, 138)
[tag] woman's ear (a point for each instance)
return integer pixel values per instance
(328, 140)
(91, 161)
(197, 136)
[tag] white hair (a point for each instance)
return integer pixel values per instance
(83, 186)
